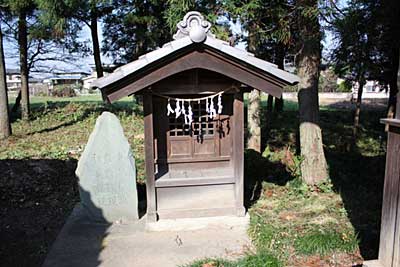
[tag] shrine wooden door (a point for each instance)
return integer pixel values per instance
(204, 139)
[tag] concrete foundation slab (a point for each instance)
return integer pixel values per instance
(165, 243)
(372, 263)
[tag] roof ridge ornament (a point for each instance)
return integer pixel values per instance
(195, 26)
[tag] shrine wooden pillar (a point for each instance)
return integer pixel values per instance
(238, 151)
(149, 156)
(389, 246)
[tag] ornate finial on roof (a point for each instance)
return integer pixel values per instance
(193, 25)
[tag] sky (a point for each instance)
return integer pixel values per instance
(80, 64)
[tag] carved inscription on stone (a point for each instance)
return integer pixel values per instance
(107, 174)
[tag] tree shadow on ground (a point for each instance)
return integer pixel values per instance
(258, 169)
(359, 180)
(357, 169)
(36, 198)
(279, 129)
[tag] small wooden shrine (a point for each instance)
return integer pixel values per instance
(192, 93)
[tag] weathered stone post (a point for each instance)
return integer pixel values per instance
(107, 173)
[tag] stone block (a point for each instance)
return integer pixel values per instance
(107, 173)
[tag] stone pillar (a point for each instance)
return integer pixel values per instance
(107, 174)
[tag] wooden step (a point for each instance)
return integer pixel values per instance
(172, 182)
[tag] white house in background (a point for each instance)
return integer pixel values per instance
(371, 89)
(66, 79)
(13, 79)
(87, 81)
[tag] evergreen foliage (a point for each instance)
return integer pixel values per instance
(212, 10)
(134, 28)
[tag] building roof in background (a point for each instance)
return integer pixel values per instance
(67, 73)
(66, 77)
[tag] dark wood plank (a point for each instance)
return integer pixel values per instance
(187, 160)
(398, 100)
(396, 255)
(194, 181)
(190, 89)
(258, 72)
(149, 156)
(391, 122)
(201, 60)
(238, 150)
(390, 203)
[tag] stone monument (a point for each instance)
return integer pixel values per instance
(107, 173)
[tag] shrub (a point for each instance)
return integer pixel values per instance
(345, 86)
(63, 91)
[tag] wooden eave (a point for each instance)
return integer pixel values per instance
(195, 56)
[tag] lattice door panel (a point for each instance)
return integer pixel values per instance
(202, 124)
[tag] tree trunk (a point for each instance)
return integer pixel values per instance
(398, 93)
(253, 121)
(313, 167)
(23, 58)
(17, 103)
(278, 104)
(357, 112)
(270, 103)
(280, 61)
(5, 127)
(96, 45)
(254, 105)
(394, 89)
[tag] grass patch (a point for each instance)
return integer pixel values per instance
(326, 241)
(254, 260)
(300, 222)
(59, 128)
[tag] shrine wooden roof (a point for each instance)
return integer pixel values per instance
(194, 47)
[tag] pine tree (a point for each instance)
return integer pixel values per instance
(388, 13)
(78, 12)
(254, 102)
(5, 126)
(212, 10)
(269, 36)
(35, 23)
(314, 166)
(359, 55)
(134, 28)
(21, 10)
